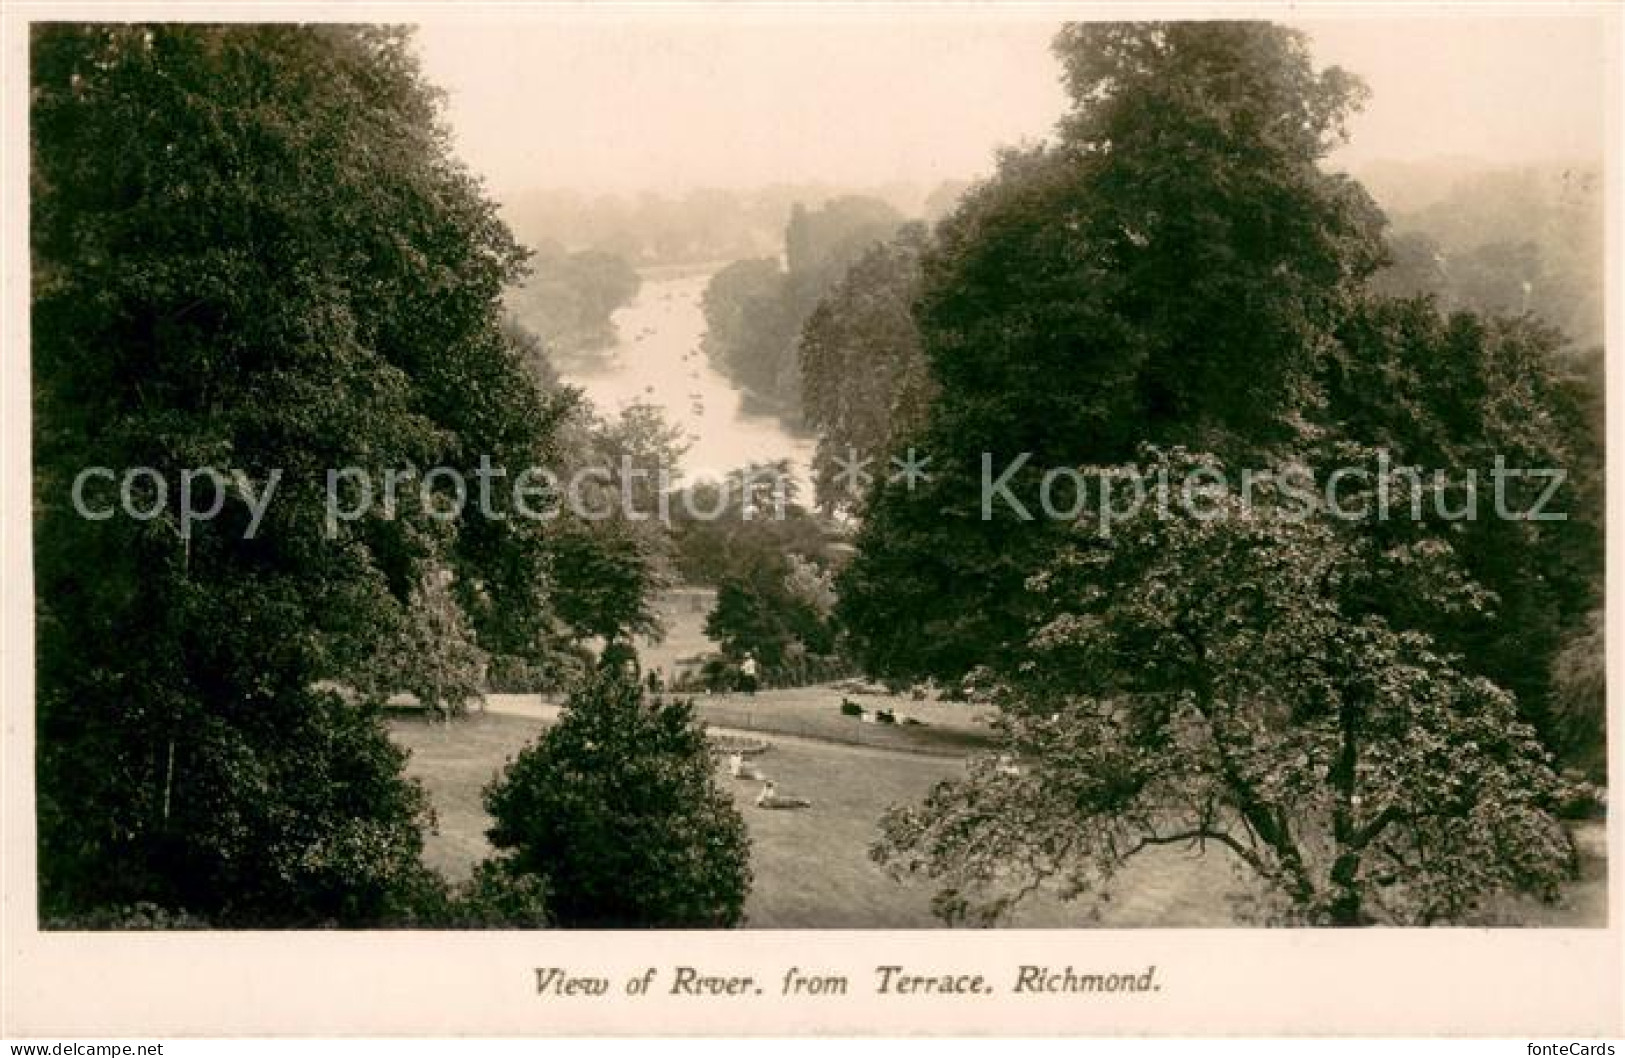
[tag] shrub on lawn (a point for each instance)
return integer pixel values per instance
(616, 810)
(510, 674)
(719, 674)
(743, 745)
(850, 708)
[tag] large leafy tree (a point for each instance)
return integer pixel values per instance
(252, 249)
(1222, 676)
(1099, 293)
(775, 607)
(1171, 269)
(432, 653)
(1356, 711)
(609, 552)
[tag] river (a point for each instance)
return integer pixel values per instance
(658, 360)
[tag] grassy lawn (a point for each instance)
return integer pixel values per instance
(812, 868)
(946, 728)
(943, 728)
(455, 763)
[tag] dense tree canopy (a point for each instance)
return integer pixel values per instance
(775, 607)
(253, 251)
(1456, 394)
(1177, 269)
(609, 552)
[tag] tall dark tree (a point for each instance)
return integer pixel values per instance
(775, 607)
(608, 552)
(252, 249)
(1172, 269)
(1351, 706)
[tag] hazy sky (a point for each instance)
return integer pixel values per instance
(650, 99)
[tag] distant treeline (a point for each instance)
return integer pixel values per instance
(1501, 240)
(588, 253)
(755, 309)
(828, 340)
(569, 298)
(702, 226)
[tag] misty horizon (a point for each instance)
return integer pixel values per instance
(676, 106)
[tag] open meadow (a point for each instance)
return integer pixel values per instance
(812, 868)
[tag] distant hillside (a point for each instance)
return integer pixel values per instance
(698, 226)
(1504, 239)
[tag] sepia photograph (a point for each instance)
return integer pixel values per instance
(496, 472)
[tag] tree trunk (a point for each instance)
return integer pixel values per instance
(1345, 876)
(1346, 903)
